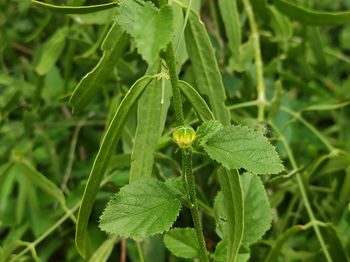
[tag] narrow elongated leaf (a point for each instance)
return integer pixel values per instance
(104, 154)
(104, 251)
(233, 199)
(198, 103)
(230, 17)
(311, 17)
(52, 50)
(149, 127)
(182, 242)
(141, 209)
(88, 87)
(151, 28)
(257, 210)
(74, 9)
(243, 147)
(205, 68)
(40, 180)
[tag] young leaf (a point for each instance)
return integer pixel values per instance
(104, 154)
(40, 180)
(150, 123)
(74, 9)
(242, 147)
(205, 68)
(233, 199)
(141, 209)
(52, 50)
(152, 28)
(257, 210)
(88, 87)
(311, 17)
(198, 103)
(182, 242)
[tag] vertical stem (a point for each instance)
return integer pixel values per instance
(170, 61)
(139, 251)
(304, 196)
(187, 157)
(187, 175)
(258, 60)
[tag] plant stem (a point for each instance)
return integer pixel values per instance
(187, 168)
(304, 196)
(170, 61)
(258, 60)
(139, 251)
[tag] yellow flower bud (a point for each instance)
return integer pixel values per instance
(184, 136)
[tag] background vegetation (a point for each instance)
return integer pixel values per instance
(305, 68)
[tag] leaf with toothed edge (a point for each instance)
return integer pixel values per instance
(242, 147)
(141, 209)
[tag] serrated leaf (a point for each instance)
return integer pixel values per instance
(257, 210)
(141, 209)
(242, 147)
(89, 86)
(182, 242)
(152, 28)
(207, 130)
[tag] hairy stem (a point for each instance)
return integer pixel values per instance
(170, 61)
(258, 60)
(187, 170)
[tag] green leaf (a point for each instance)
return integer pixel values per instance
(205, 68)
(104, 154)
(311, 17)
(272, 256)
(221, 249)
(233, 199)
(74, 9)
(182, 242)
(40, 180)
(257, 210)
(230, 17)
(150, 123)
(198, 103)
(52, 50)
(207, 130)
(104, 251)
(141, 209)
(114, 44)
(281, 26)
(152, 28)
(243, 147)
